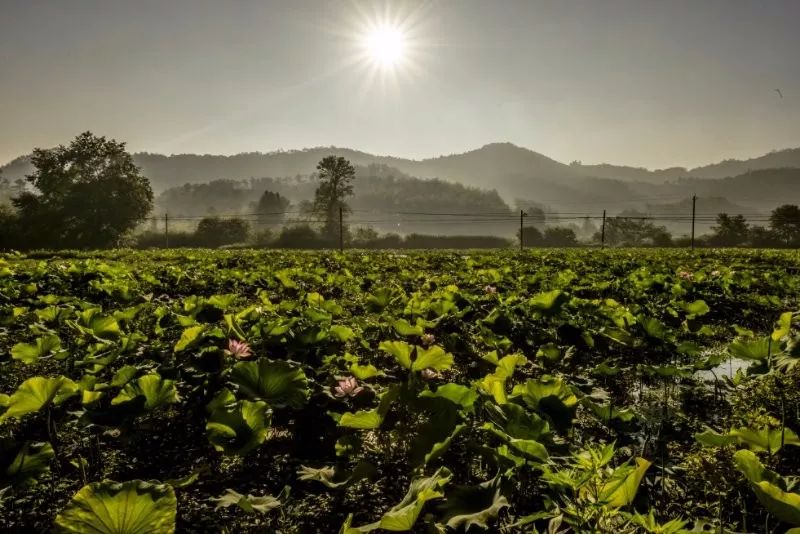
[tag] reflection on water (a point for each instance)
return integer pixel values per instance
(727, 368)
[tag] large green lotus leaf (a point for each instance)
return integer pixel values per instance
(378, 300)
(406, 329)
(509, 363)
(621, 487)
(342, 333)
(370, 419)
(157, 391)
(189, 338)
(463, 396)
(529, 448)
(433, 357)
(696, 308)
(279, 383)
(654, 328)
(784, 326)
(364, 372)
(709, 438)
(37, 393)
(769, 488)
(495, 385)
(473, 506)
(551, 396)
(549, 302)
(608, 412)
(751, 350)
(22, 465)
(30, 352)
(520, 423)
(765, 439)
(133, 507)
(403, 516)
(400, 350)
(439, 426)
(240, 428)
(94, 323)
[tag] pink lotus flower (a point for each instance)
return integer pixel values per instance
(428, 374)
(686, 275)
(490, 290)
(239, 349)
(428, 339)
(348, 387)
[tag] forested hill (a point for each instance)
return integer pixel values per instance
(377, 188)
(501, 166)
(384, 199)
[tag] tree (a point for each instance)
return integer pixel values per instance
(336, 176)
(87, 195)
(559, 236)
(298, 236)
(729, 231)
(531, 237)
(785, 224)
(9, 228)
(534, 215)
(271, 209)
(634, 231)
(761, 237)
(215, 232)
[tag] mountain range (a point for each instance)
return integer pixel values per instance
(516, 173)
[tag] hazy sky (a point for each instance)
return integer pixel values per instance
(639, 82)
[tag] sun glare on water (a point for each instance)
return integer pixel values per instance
(385, 45)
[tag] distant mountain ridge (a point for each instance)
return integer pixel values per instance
(496, 165)
(520, 176)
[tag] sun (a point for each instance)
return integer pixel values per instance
(385, 45)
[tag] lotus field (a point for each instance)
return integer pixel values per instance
(553, 391)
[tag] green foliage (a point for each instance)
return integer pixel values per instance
(31, 352)
(512, 368)
(369, 419)
(88, 194)
(466, 507)
(36, 394)
(278, 383)
(770, 489)
(416, 358)
(238, 428)
(157, 392)
(402, 516)
(21, 465)
(107, 507)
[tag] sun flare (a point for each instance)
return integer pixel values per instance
(385, 45)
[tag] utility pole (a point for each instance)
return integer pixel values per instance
(694, 205)
(341, 230)
(603, 231)
(166, 230)
(521, 239)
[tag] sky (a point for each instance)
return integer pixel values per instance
(636, 82)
